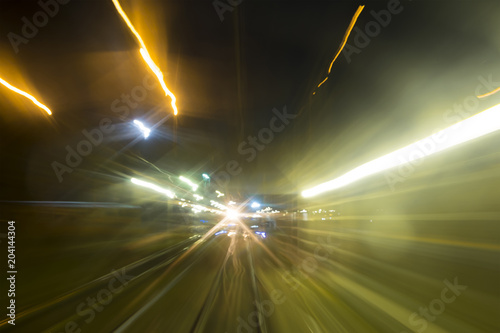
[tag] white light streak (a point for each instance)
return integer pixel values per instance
(189, 182)
(145, 131)
(154, 187)
(471, 128)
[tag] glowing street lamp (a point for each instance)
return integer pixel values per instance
(255, 205)
(145, 131)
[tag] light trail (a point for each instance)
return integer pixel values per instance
(489, 93)
(145, 55)
(218, 205)
(189, 182)
(319, 85)
(25, 94)
(346, 35)
(154, 187)
(471, 128)
(145, 131)
(344, 40)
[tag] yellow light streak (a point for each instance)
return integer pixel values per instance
(344, 40)
(145, 55)
(489, 93)
(25, 94)
(326, 78)
(346, 35)
(471, 128)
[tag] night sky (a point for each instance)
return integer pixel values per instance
(228, 77)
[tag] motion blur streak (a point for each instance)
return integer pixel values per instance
(25, 94)
(145, 55)
(346, 35)
(146, 131)
(489, 93)
(476, 126)
(344, 40)
(153, 187)
(159, 75)
(189, 182)
(319, 85)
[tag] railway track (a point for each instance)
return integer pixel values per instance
(51, 311)
(236, 277)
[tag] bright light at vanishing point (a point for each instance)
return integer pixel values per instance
(232, 214)
(255, 205)
(25, 94)
(471, 128)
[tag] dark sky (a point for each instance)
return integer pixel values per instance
(228, 76)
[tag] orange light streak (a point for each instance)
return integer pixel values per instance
(145, 55)
(344, 40)
(25, 94)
